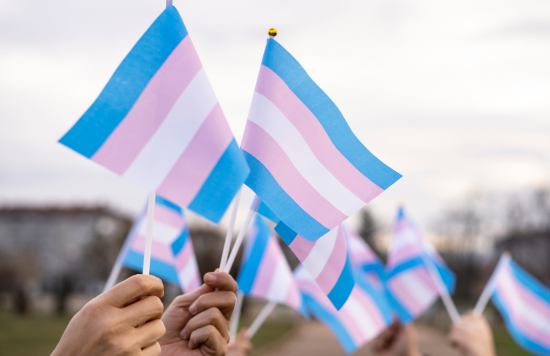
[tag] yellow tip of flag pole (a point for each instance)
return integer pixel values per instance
(272, 32)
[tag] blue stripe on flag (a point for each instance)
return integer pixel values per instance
(160, 200)
(332, 322)
(530, 283)
(376, 267)
(287, 234)
(280, 61)
(126, 84)
(250, 268)
(446, 274)
(515, 332)
(377, 296)
(262, 182)
(159, 268)
(180, 241)
(343, 287)
(222, 184)
(266, 212)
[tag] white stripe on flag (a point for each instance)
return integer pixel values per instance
(188, 273)
(320, 253)
(163, 233)
(159, 155)
(420, 294)
(266, 115)
(403, 239)
(358, 313)
(519, 308)
(280, 283)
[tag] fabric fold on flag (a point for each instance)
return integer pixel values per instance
(158, 123)
(411, 289)
(172, 254)
(265, 272)
(363, 258)
(327, 260)
(364, 315)
(524, 303)
(306, 163)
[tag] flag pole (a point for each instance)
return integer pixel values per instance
(490, 286)
(240, 237)
(234, 323)
(168, 3)
(260, 319)
(230, 228)
(149, 233)
(443, 292)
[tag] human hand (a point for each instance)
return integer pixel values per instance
(241, 346)
(472, 336)
(197, 323)
(118, 322)
(396, 340)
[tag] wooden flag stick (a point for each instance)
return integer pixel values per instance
(260, 319)
(490, 286)
(235, 318)
(149, 233)
(443, 292)
(240, 238)
(230, 228)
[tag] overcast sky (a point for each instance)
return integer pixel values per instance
(455, 95)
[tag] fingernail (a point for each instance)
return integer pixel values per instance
(193, 309)
(210, 279)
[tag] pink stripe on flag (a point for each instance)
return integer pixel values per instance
(335, 264)
(348, 322)
(293, 297)
(155, 102)
(301, 247)
(266, 270)
(403, 254)
(264, 148)
(193, 284)
(198, 160)
(168, 216)
(531, 299)
(184, 257)
(520, 322)
(275, 89)
(158, 250)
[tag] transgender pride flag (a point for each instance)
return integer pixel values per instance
(411, 288)
(364, 315)
(172, 255)
(364, 259)
(306, 164)
(265, 272)
(158, 123)
(524, 303)
(327, 261)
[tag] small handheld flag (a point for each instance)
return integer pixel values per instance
(172, 254)
(158, 123)
(364, 315)
(306, 163)
(409, 278)
(364, 259)
(327, 261)
(524, 303)
(265, 272)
